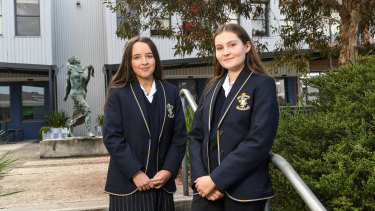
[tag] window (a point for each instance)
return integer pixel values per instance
(27, 17)
(121, 18)
(259, 19)
(233, 17)
(281, 95)
(4, 103)
(1, 18)
(32, 103)
(165, 24)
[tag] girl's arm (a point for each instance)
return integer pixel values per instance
(195, 138)
(255, 147)
(114, 139)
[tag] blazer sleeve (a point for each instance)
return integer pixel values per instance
(177, 146)
(195, 137)
(255, 147)
(114, 139)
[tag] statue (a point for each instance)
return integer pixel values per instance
(76, 85)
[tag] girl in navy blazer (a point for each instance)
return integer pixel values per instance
(144, 132)
(234, 128)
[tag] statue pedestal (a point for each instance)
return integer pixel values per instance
(72, 147)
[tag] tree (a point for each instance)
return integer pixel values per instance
(307, 24)
(304, 26)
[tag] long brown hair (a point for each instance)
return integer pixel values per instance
(252, 59)
(125, 73)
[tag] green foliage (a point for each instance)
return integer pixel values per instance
(333, 147)
(305, 23)
(43, 129)
(193, 29)
(189, 114)
(5, 165)
(57, 119)
(100, 119)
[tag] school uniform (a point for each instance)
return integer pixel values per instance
(146, 135)
(231, 137)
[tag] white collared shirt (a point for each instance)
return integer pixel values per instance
(152, 92)
(226, 86)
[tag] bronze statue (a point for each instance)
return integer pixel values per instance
(76, 85)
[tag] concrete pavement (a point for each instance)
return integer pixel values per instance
(59, 183)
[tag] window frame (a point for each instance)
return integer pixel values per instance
(155, 17)
(44, 102)
(16, 23)
(266, 15)
(10, 102)
(120, 18)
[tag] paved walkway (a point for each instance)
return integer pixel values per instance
(57, 184)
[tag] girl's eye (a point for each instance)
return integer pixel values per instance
(150, 56)
(233, 44)
(219, 48)
(136, 57)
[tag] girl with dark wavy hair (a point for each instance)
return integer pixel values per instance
(144, 132)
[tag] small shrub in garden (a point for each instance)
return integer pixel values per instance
(332, 148)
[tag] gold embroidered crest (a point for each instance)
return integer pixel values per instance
(242, 100)
(170, 110)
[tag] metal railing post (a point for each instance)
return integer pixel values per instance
(185, 95)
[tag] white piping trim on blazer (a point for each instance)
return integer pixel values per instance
(126, 194)
(162, 127)
(148, 130)
(225, 113)
(248, 200)
(209, 128)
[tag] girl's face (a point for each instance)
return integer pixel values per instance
(230, 51)
(143, 61)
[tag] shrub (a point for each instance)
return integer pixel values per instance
(5, 164)
(57, 119)
(332, 148)
(43, 129)
(100, 119)
(189, 114)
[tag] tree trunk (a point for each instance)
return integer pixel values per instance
(350, 18)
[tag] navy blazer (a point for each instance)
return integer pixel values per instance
(245, 133)
(127, 135)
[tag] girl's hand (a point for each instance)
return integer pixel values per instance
(160, 179)
(215, 195)
(204, 185)
(141, 180)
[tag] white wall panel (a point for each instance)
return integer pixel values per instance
(79, 31)
(26, 49)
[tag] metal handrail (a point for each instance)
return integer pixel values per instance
(298, 184)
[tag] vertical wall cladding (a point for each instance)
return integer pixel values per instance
(79, 31)
(26, 49)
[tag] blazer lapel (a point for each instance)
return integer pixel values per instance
(241, 80)
(216, 89)
(162, 105)
(138, 95)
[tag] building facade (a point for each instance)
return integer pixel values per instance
(38, 36)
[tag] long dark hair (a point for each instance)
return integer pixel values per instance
(125, 73)
(252, 59)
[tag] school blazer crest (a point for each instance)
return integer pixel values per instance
(127, 137)
(247, 126)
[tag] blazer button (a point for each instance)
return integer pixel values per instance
(221, 132)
